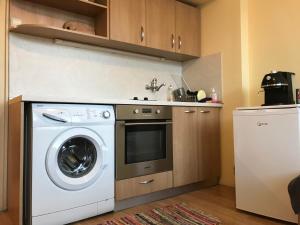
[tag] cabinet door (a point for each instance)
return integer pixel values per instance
(127, 21)
(160, 24)
(187, 29)
(208, 143)
(185, 152)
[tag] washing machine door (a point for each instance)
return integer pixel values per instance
(76, 159)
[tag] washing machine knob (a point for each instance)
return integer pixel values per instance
(106, 114)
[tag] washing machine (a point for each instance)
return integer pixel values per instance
(69, 163)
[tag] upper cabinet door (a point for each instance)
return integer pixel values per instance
(127, 21)
(187, 29)
(160, 23)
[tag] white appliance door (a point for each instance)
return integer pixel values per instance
(267, 158)
(75, 159)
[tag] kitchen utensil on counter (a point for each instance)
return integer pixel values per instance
(186, 84)
(170, 94)
(179, 94)
(204, 100)
(201, 95)
(278, 88)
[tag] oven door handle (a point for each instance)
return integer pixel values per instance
(145, 124)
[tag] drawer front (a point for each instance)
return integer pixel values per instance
(143, 185)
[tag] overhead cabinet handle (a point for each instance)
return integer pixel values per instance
(204, 111)
(179, 42)
(190, 111)
(147, 181)
(142, 34)
(173, 40)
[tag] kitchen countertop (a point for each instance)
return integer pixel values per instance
(50, 99)
(269, 107)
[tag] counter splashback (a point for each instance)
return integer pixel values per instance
(41, 68)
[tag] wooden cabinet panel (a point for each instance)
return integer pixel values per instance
(160, 24)
(185, 152)
(127, 21)
(143, 185)
(208, 143)
(187, 29)
(3, 102)
(196, 144)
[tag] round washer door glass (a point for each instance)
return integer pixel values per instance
(77, 157)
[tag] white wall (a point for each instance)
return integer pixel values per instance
(38, 67)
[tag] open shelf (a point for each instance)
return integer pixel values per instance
(96, 40)
(58, 33)
(84, 7)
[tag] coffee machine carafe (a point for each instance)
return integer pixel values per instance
(278, 88)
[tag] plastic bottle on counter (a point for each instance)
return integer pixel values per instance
(214, 96)
(170, 94)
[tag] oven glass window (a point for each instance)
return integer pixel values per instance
(145, 143)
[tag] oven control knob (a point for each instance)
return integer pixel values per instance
(158, 111)
(136, 111)
(106, 114)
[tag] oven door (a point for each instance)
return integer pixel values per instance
(143, 147)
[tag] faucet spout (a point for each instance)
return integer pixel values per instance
(153, 86)
(160, 86)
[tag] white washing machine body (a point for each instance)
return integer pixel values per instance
(72, 174)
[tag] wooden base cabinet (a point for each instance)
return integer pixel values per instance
(185, 152)
(196, 144)
(208, 129)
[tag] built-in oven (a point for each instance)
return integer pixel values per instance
(143, 140)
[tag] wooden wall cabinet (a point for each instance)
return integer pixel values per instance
(161, 28)
(127, 21)
(160, 24)
(196, 145)
(187, 29)
(166, 25)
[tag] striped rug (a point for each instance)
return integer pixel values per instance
(178, 214)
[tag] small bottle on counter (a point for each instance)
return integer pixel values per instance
(214, 96)
(170, 94)
(297, 96)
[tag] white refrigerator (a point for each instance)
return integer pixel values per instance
(267, 158)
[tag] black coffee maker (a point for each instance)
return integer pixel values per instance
(278, 88)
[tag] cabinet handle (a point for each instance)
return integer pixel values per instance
(203, 111)
(142, 34)
(173, 40)
(190, 111)
(147, 181)
(179, 42)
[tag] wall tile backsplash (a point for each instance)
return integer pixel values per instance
(38, 67)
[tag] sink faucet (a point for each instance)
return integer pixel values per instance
(153, 86)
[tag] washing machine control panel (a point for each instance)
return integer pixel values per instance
(62, 114)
